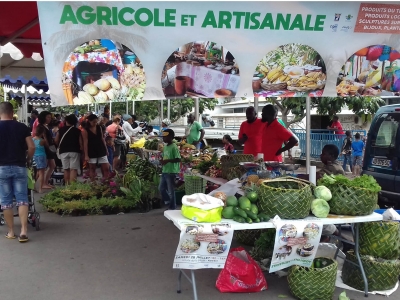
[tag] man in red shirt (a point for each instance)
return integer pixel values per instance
(336, 125)
(250, 133)
(274, 135)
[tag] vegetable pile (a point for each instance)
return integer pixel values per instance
(365, 181)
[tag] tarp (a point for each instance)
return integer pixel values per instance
(248, 42)
(16, 83)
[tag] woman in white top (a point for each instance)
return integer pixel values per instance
(127, 127)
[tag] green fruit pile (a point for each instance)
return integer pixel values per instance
(244, 209)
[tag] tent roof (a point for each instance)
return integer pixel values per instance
(19, 24)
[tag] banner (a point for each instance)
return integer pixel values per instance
(203, 246)
(296, 243)
(158, 50)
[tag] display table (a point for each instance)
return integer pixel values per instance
(219, 181)
(176, 217)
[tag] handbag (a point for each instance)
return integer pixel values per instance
(59, 145)
(120, 137)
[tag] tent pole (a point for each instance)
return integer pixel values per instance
(196, 109)
(161, 112)
(126, 106)
(256, 104)
(133, 107)
(25, 107)
(110, 110)
(308, 134)
(169, 109)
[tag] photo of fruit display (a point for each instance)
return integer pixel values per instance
(100, 71)
(200, 69)
(292, 70)
(371, 71)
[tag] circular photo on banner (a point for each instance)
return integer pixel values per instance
(200, 69)
(292, 70)
(102, 71)
(371, 71)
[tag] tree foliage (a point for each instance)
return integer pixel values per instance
(361, 106)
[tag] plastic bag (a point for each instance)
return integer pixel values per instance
(202, 201)
(31, 181)
(200, 215)
(139, 143)
(241, 274)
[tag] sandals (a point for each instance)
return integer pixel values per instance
(10, 237)
(23, 239)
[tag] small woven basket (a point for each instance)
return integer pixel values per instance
(286, 197)
(380, 239)
(352, 201)
(306, 88)
(274, 87)
(194, 184)
(381, 275)
(233, 160)
(313, 283)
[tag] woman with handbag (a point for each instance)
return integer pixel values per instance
(44, 120)
(116, 133)
(70, 145)
(95, 148)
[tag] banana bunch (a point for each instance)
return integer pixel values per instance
(189, 146)
(206, 157)
(311, 80)
(275, 75)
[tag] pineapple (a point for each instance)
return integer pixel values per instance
(252, 179)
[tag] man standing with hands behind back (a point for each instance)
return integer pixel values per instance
(250, 133)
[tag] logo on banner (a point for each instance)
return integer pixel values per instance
(337, 17)
(334, 27)
(348, 18)
(346, 28)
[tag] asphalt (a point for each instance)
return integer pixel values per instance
(121, 257)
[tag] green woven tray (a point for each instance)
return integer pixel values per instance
(380, 239)
(381, 275)
(286, 197)
(313, 283)
(194, 184)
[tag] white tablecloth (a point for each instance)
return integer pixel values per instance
(176, 217)
(206, 81)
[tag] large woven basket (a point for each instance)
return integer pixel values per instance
(286, 197)
(247, 237)
(233, 160)
(380, 239)
(381, 275)
(352, 201)
(313, 283)
(194, 184)
(274, 87)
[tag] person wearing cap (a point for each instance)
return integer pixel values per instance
(195, 132)
(164, 125)
(170, 161)
(127, 127)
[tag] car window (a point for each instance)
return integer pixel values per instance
(387, 131)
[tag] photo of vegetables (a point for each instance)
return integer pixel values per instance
(371, 71)
(292, 70)
(100, 71)
(200, 69)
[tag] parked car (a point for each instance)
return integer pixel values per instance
(382, 154)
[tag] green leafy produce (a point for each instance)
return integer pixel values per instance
(228, 212)
(320, 208)
(365, 181)
(322, 192)
(231, 201)
(264, 245)
(244, 203)
(151, 144)
(343, 296)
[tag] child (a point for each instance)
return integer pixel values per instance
(111, 149)
(357, 147)
(227, 141)
(150, 130)
(346, 151)
(170, 161)
(40, 156)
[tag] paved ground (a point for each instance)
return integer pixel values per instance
(108, 258)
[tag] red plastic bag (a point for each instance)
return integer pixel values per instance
(241, 274)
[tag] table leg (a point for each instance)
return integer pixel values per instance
(191, 280)
(179, 282)
(194, 286)
(356, 249)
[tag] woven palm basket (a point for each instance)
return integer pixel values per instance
(380, 239)
(381, 275)
(247, 237)
(352, 201)
(286, 197)
(233, 160)
(313, 283)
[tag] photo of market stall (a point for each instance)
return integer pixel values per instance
(102, 71)
(202, 69)
(292, 70)
(371, 71)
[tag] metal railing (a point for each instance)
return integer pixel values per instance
(320, 138)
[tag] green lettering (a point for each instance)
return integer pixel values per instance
(209, 20)
(114, 15)
(238, 16)
(121, 16)
(267, 22)
(170, 17)
(147, 12)
(297, 23)
(157, 18)
(89, 16)
(68, 15)
(225, 18)
(281, 21)
(308, 21)
(254, 19)
(319, 23)
(247, 21)
(103, 14)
